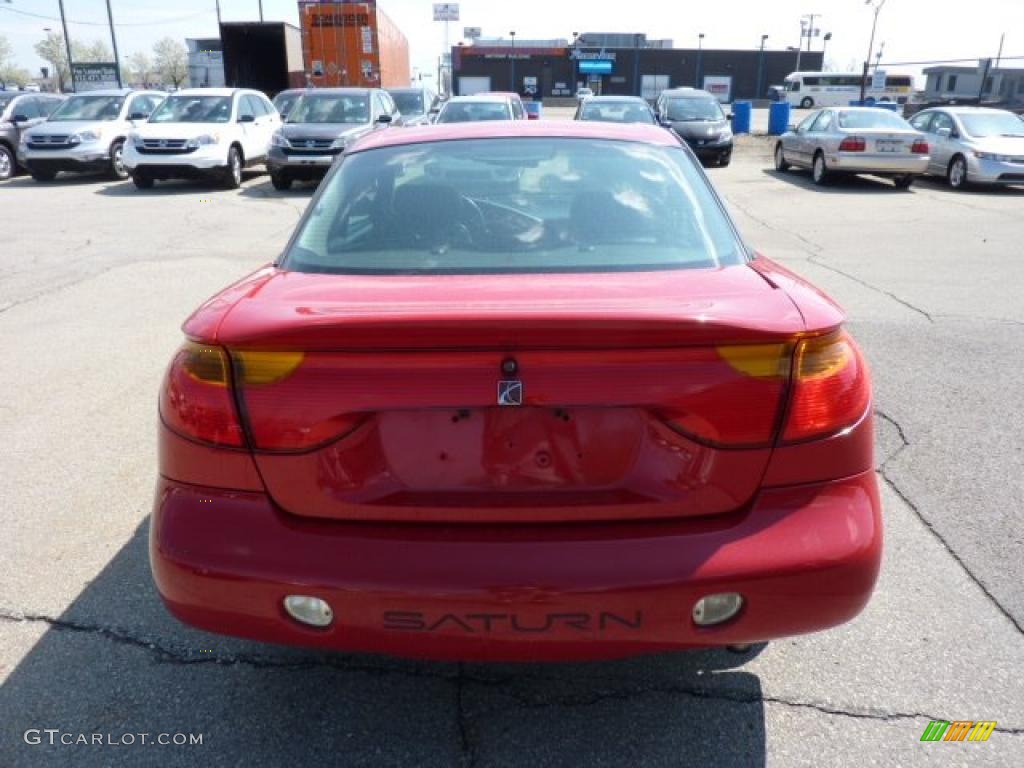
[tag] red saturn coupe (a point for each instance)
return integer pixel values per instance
(517, 391)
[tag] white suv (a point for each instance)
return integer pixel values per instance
(86, 133)
(202, 133)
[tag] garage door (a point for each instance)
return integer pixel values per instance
(470, 85)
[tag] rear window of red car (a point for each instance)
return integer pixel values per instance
(514, 205)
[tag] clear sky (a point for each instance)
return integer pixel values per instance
(912, 30)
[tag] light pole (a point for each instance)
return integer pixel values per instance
(512, 61)
(824, 47)
(700, 55)
(800, 43)
(760, 68)
(877, 6)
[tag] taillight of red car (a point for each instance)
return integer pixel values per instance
(831, 388)
(919, 147)
(196, 400)
(853, 144)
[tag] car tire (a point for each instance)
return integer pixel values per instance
(724, 160)
(903, 182)
(780, 159)
(281, 182)
(8, 165)
(233, 171)
(117, 171)
(956, 174)
(40, 175)
(819, 170)
(806, 102)
(142, 182)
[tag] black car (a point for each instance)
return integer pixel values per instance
(616, 109)
(698, 119)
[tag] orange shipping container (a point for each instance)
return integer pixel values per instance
(352, 44)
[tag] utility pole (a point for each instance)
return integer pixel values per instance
(999, 56)
(218, 17)
(810, 29)
(261, 11)
(800, 45)
(67, 42)
(871, 47)
(113, 39)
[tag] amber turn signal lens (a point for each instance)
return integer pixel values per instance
(204, 363)
(264, 367)
(757, 360)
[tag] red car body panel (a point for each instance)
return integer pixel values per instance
(644, 469)
(804, 557)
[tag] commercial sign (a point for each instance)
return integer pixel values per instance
(579, 55)
(719, 86)
(596, 67)
(472, 33)
(446, 11)
(878, 80)
(93, 76)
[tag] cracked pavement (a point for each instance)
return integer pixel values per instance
(90, 304)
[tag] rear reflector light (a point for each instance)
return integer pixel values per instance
(196, 397)
(852, 144)
(831, 387)
(919, 147)
(716, 609)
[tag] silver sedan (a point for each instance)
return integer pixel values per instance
(854, 140)
(974, 145)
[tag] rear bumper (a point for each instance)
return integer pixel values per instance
(883, 164)
(805, 558)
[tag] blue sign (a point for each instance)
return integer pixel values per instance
(596, 67)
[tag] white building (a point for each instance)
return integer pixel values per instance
(948, 82)
(205, 62)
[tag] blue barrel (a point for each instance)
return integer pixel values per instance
(741, 115)
(778, 118)
(534, 109)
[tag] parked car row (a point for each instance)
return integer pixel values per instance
(694, 115)
(964, 145)
(205, 133)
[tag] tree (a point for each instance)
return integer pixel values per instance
(10, 73)
(141, 68)
(170, 59)
(94, 52)
(52, 50)
(6, 52)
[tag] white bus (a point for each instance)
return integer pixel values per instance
(838, 89)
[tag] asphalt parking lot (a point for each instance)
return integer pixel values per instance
(95, 279)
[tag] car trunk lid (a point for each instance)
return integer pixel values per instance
(513, 398)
